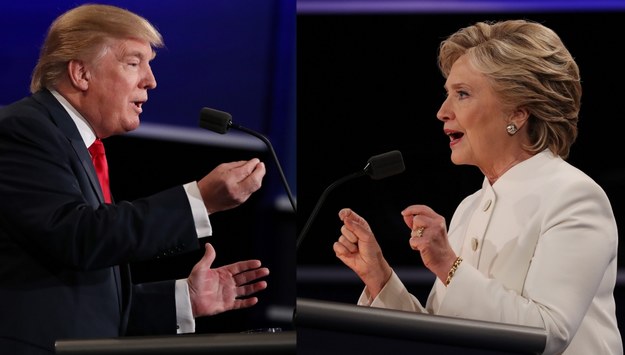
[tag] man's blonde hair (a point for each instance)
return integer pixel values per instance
(81, 33)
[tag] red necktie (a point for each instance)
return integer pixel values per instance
(98, 157)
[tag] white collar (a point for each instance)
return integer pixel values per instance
(85, 130)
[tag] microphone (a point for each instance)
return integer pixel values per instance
(220, 122)
(378, 167)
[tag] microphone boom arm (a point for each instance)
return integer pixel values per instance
(320, 202)
(378, 167)
(275, 158)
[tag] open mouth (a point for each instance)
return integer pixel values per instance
(454, 136)
(138, 106)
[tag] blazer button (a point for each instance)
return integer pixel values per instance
(474, 244)
(487, 205)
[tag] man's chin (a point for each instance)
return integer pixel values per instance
(131, 125)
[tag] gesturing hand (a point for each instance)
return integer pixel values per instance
(230, 184)
(429, 236)
(359, 250)
(225, 288)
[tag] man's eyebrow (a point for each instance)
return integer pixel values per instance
(139, 55)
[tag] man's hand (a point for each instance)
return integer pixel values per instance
(225, 288)
(231, 184)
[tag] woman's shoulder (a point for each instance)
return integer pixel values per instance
(564, 175)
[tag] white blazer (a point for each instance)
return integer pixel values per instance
(539, 249)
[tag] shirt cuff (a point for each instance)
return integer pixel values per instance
(203, 226)
(184, 314)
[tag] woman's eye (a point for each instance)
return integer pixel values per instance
(462, 94)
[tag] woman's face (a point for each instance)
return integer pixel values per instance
(473, 117)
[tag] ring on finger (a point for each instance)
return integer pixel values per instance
(419, 232)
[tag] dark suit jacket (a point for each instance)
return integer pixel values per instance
(63, 252)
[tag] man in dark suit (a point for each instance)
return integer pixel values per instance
(64, 251)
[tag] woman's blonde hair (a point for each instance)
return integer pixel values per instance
(529, 67)
(81, 33)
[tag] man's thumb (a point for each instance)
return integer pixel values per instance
(209, 254)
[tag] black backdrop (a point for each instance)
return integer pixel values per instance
(369, 83)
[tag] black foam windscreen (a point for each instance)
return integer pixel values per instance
(384, 165)
(215, 120)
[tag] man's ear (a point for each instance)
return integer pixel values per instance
(78, 74)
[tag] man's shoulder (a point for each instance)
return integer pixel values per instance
(27, 106)
(26, 115)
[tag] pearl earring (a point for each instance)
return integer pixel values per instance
(511, 128)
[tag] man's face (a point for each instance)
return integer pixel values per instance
(119, 81)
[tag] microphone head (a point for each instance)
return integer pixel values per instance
(215, 120)
(384, 165)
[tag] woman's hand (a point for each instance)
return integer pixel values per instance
(429, 236)
(359, 250)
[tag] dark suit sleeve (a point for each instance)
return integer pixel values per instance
(153, 309)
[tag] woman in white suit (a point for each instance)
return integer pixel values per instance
(537, 244)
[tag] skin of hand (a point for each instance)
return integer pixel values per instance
(436, 252)
(359, 250)
(225, 288)
(230, 184)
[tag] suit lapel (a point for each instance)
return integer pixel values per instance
(65, 123)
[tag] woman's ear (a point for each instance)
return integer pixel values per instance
(519, 117)
(78, 74)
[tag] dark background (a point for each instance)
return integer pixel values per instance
(368, 83)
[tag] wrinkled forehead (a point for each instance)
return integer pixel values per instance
(128, 47)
